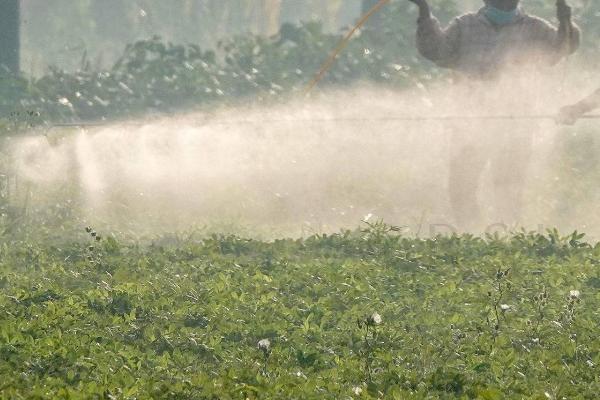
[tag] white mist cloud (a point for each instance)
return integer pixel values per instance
(321, 163)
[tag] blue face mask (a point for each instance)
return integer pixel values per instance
(500, 17)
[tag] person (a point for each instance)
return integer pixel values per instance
(570, 114)
(478, 44)
(481, 46)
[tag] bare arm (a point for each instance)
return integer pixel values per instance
(590, 103)
(570, 114)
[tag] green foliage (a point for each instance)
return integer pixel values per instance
(227, 317)
(153, 76)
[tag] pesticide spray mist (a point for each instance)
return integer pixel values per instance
(323, 164)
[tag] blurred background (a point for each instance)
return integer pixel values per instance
(95, 59)
(59, 32)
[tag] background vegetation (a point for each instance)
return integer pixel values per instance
(153, 75)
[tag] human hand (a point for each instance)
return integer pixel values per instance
(424, 10)
(563, 11)
(569, 115)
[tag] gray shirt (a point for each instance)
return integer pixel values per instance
(474, 46)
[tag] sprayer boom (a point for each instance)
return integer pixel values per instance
(398, 118)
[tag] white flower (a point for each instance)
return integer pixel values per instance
(504, 307)
(590, 363)
(300, 374)
(574, 294)
(264, 344)
(357, 390)
(375, 319)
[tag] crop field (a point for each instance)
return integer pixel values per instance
(298, 200)
(359, 314)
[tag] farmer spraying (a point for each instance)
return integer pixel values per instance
(481, 48)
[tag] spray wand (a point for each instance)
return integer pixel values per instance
(396, 118)
(342, 45)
